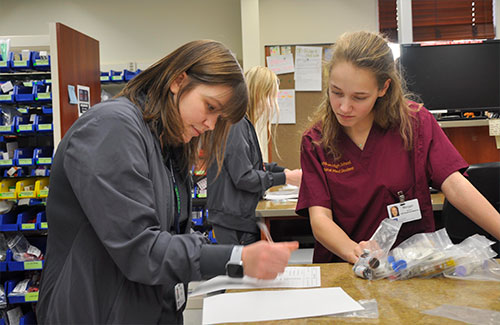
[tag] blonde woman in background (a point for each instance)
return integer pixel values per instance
(234, 193)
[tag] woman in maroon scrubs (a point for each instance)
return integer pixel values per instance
(368, 147)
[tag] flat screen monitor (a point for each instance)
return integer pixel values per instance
(454, 76)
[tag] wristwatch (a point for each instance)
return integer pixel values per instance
(234, 267)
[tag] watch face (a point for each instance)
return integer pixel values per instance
(234, 270)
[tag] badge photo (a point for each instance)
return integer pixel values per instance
(404, 211)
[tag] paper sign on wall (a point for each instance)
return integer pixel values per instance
(83, 99)
(308, 68)
(494, 126)
(280, 64)
(275, 50)
(286, 103)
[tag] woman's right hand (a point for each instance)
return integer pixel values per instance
(265, 260)
(293, 177)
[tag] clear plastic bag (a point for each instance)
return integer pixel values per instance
(22, 250)
(3, 298)
(476, 261)
(3, 247)
(370, 311)
(372, 263)
(423, 255)
(466, 314)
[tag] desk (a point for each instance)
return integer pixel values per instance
(274, 210)
(401, 302)
(472, 140)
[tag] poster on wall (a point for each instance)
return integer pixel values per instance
(280, 64)
(83, 99)
(286, 103)
(308, 68)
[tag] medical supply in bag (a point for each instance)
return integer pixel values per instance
(425, 255)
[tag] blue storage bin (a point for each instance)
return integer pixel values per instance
(36, 202)
(24, 92)
(8, 221)
(105, 78)
(6, 126)
(116, 76)
(24, 123)
(41, 221)
(43, 156)
(3, 264)
(211, 237)
(21, 63)
(19, 172)
(28, 298)
(129, 75)
(7, 97)
(24, 157)
(40, 63)
(41, 92)
(27, 220)
(28, 319)
(46, 110)
(38, 242)
(43, 123)
(197, 216)
(40, 171)
(6, 63)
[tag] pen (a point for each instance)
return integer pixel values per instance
(265, 230)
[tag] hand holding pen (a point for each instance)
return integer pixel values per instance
(265, 230)
(265, 260)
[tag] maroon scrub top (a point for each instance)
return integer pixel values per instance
(359, 186)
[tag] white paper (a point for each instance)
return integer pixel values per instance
(274, 50)
(271, 305)
(286, 103)
(280, 64)
(286, 192)
(308, 68)
(293, 277)
(494, 125)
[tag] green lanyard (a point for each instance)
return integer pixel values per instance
(177, 201)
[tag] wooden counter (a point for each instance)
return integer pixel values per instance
(271, 209)
(275, 210)
(401, 302)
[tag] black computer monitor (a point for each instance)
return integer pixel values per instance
(454, 76)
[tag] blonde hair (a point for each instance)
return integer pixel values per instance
(205, 62)
(370, 51)
(263, 86)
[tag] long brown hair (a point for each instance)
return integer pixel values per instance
(205, 62)
(370, 51)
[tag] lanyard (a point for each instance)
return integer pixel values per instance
(177, 200)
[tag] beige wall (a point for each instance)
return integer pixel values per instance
(313, 21)
(144, 31)
(129, 30)
(316, 21)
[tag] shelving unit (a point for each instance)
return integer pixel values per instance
(38, 122)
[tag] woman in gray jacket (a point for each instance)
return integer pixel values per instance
(119, 248)
(234, 192)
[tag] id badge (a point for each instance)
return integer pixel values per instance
(405, 211)
(180, 297)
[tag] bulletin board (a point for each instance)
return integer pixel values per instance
(288, 136)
